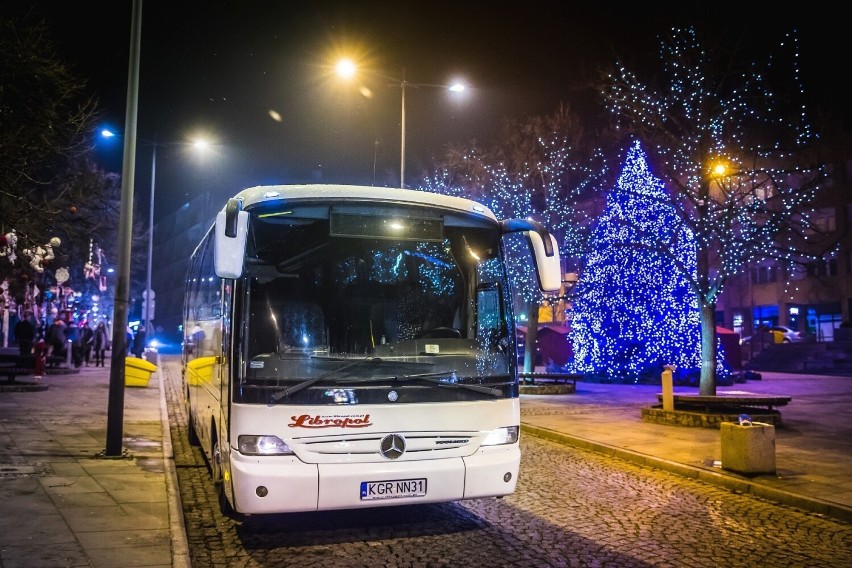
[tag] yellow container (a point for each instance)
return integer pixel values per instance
(200, 370)
(137, 372)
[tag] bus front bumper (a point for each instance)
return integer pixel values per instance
(282, 484)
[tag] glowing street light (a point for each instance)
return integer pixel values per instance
(347, 69)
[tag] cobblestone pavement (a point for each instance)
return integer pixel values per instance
(572, 507)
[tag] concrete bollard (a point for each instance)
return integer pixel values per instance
(668, 388)
(748, 448)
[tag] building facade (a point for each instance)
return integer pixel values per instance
(814, 298)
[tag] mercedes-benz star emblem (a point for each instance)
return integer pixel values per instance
(392, 446)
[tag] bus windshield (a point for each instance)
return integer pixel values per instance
(360, 303)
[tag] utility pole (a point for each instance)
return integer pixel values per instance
(115, 411)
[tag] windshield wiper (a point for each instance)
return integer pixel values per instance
(287, 391)
(433, 378)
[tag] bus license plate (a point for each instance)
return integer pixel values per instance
(392, 489)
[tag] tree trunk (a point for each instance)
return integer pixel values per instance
(707, 385)
(532, 337)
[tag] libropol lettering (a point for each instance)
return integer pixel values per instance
(308, 421)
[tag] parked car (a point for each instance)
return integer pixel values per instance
(775, 334)
(787, 335)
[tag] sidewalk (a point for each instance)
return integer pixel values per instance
(813, 447)
(64, 504)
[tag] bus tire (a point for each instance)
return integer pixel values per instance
(219, 483)
(192, 434)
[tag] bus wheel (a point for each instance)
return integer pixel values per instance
(192, 434)
(219, 483)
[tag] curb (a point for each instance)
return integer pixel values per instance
(180, 544)
(722, 479)
(565, 388)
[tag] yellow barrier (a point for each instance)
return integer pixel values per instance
(137, 372)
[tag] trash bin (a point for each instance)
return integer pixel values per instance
(137, 372)
(749, 447)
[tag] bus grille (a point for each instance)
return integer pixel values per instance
(418, 446)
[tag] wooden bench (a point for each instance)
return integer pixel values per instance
(726, 401)
(16, 365)
(12, 366)
(566, 378)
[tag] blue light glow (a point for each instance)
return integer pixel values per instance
(634, 311)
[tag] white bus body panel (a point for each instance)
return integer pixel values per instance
(331, 463)
(339, 193)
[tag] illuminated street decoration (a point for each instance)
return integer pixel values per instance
(717, 103)
(633, 311)
(542, 172)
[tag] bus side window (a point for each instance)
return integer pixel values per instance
(488, 313)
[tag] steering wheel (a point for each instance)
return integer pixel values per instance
(437, 332)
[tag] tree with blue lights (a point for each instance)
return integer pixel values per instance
(726, 126)
(543, 168)
(633, 309)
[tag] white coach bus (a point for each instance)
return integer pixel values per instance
(351, 347)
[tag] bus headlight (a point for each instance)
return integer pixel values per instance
(499, 436)
(263, 446)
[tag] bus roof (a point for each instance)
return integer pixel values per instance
(259, 194)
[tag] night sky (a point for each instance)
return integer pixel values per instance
(254, 77)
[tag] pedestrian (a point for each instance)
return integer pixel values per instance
(40, 356)
(100, 344)
(196, 340)
(25, 334)
(87, 338)
(73, 337)
(139, 342)
(56, 338)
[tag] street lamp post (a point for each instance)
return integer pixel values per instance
(115, 403)
(347, 69)
(402, 134)
(148, 295)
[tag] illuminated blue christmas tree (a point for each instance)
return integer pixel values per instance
(634, 311)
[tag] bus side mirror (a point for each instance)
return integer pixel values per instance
(544, 250)
(549, 267)
(230, 240)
